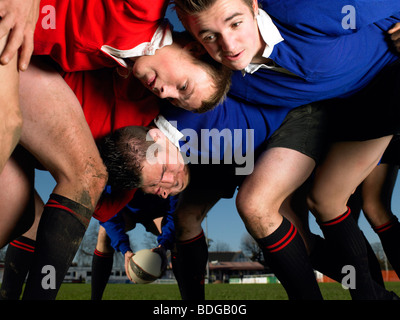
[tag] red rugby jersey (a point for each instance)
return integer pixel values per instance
(90, 34)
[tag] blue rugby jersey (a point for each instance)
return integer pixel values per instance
(234, 128)
(328, 60)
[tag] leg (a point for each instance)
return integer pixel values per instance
(19, 257)
(101, 265)
(56, 133)
(277, 174)
(16, 198)
(10, 113)
(191, 257)
(346, 166)
(377, 190)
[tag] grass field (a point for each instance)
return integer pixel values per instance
(330, 291)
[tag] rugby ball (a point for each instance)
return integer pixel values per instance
(145, 266)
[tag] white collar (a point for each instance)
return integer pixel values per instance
(162, 37)
(271, 36)
(169, 130)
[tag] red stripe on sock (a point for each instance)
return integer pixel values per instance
(199, 236)
(384, 227)
(103, 254)
(284, 241)
(22, 247)
(24, 244)
(272, 246)
(338, 219)
(55, 204)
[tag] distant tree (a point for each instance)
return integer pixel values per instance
(84, 255)
(251, 249)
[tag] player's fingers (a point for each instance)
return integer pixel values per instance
(128, 256)
(26, 53)
(395, 31)
(6, 25)
(14, 42)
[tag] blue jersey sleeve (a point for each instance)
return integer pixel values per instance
(167, 236)
(115, 228)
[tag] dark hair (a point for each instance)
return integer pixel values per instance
(123, 153)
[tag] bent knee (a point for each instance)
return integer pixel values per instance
(314, 203)
(97, 176)
(188, 225)
(326, 208)
(86, 181)
(250, 205)
(252, 209)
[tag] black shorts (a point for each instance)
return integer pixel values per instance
(219, 179)
(371, 113)
(305, 130)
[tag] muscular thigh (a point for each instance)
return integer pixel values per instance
(10, 115)
(55, 130)
(347, 164)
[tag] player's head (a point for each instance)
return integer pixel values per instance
(184, 74)
(227, 29)
(143, 157)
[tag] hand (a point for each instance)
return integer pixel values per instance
(163, 254)
(128, 256)
(18, 22)
(395, 35)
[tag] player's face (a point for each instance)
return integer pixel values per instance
(164, 172)
(171, 74)
(228, 31)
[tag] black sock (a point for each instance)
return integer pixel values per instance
(347, 241)
(285, 252)
(324, 261)
(16, 266)
(389, 234)
(60, 232)
(373, 263)
(101, 269)
(191, 261)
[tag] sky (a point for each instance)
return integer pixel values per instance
(223, 224)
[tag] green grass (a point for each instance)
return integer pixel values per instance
(330, 291)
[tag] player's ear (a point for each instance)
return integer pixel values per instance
(255, 7)
(195, 49)
(156, 134)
